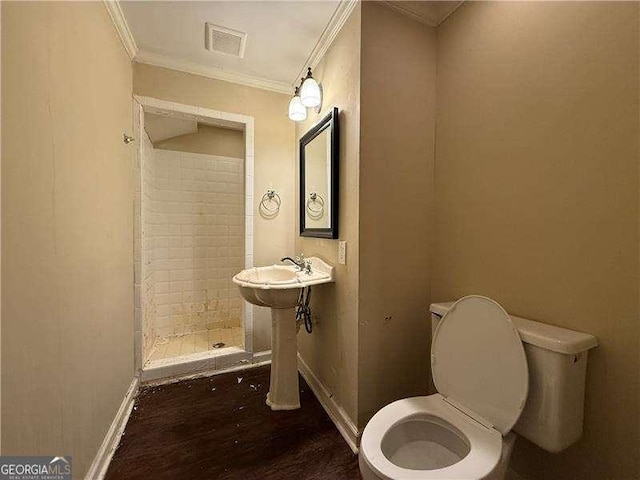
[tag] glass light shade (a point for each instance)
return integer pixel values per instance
(310, 93)
(297, 111)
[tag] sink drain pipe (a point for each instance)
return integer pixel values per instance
(303, 310)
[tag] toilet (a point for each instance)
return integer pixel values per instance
(494, 374)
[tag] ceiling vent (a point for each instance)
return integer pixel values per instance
(224, 40)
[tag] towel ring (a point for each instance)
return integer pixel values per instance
(270, 197)
(315, 198)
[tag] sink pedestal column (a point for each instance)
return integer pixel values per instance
(284, 393)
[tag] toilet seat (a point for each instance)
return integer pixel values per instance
(485, 443)
(478, 361)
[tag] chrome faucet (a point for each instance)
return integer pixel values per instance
(300, 262)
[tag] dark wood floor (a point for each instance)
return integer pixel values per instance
(220, 428)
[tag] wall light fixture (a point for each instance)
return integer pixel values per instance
(297, 111)
(307, 95)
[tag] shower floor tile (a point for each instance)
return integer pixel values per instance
(196, 342)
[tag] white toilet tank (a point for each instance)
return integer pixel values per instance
(557, 361)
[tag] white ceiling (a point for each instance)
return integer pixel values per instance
(162, 127)
(281, 34)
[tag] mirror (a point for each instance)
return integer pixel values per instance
(319, 179)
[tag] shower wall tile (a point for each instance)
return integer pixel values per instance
(148, 276)
(196, 225)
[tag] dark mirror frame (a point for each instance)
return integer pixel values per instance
(329, 121)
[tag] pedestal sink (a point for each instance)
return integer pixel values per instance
(278, 287)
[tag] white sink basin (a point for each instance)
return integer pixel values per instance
(255, 283)
(278, 287)
(275, 275)
(285, 276)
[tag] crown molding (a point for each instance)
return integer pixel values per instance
(450, 11)
(408, 12)
(120, 22)
(337, 21)
(187, 66)
(431, 21)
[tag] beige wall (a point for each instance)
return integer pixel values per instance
(274, 155)
(67, 196)
(331, 350)
(208, 140)
(396, 207)
(537, 195)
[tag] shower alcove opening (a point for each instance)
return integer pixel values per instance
(193, 230)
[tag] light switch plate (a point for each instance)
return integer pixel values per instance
(342, 252)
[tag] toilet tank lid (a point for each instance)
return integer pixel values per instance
(543, 335)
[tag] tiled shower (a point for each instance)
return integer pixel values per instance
(192, 243)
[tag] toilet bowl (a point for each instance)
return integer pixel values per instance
(425, 438)
(462, 432)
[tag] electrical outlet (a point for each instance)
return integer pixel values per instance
(342, 253)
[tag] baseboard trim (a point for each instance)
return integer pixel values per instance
(101, 461)
(338, 416)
